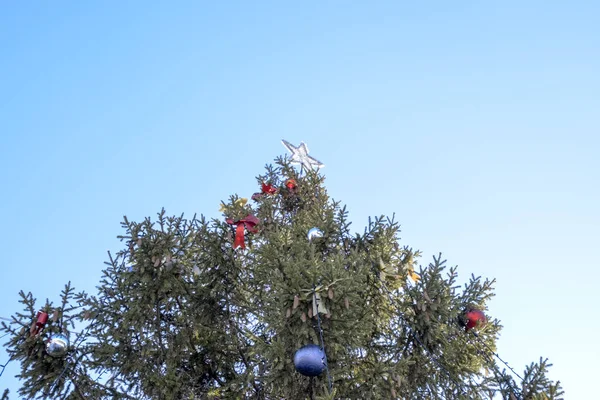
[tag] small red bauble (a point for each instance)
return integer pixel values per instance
(474, 318)
(291, 184)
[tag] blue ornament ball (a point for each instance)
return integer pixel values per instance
(310, 360)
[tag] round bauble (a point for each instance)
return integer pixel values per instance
(57, 345)
(310, 360)
(314, 233)
(474, 318)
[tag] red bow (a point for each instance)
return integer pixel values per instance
(267, 188)
(247, 223)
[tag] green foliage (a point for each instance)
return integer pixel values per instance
(181, 314)
(537, 386)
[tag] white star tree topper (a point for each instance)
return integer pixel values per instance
(300, 156)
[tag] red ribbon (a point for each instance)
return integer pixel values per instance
(38, 325)
(247, 223)
(267, 188)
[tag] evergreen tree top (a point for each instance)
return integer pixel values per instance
(217, 309)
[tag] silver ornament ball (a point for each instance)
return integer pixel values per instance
(57, 345)
(314, 233)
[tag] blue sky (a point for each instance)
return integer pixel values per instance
(477, 124)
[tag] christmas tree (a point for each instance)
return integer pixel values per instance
(278, 299)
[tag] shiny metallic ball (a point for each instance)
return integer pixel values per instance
(310, 360)
(57, 345)
(314, 233)
(474, 319)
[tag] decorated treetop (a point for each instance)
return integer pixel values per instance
(278, 298)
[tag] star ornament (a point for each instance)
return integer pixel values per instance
(300, 156)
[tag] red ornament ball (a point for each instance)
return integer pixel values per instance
(474, 318)
(291, 184)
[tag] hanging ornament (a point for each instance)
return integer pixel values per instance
(473, 318)
(314, 233)
(409, 262)
(310, 360)
(291, 184)
(266, 189)
(40, 323)
(57, 345)
(246, 223)
(300, 156)
(413, 275)
(241, 202)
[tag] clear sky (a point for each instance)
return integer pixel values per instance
(477, 124)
